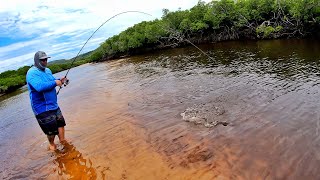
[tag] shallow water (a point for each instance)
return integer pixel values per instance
(160, 115)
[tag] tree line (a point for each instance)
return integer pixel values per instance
(216, 21)
(14, 79)
(205, 22)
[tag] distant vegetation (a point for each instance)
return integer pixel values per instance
(211, 22)
(217, 21)
(14, 79)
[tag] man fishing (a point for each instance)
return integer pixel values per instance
(43, 97)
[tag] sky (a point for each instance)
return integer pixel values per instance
(60, 28)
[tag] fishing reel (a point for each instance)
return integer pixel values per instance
(66, 83)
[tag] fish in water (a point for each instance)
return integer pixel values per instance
(204, 114)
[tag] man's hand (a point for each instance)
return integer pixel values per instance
(64, 79)
(59, 82)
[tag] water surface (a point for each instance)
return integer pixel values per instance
(159, 116)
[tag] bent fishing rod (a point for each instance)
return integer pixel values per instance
(185, 39)
(91, 37)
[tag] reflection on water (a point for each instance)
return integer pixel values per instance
(250, 112)
(18, 91)
(72, 165)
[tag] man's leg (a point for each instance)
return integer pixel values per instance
(61, 123)
(52, 146)
(61, 135)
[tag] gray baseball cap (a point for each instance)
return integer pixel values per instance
(38, 57)
(42, 55)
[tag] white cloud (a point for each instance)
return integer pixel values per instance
(60, 27)
(16, 46)
(18, 61)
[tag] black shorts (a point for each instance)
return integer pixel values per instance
(50, 121)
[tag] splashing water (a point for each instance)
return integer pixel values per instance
(208, 115)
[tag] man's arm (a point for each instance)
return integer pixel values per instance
(36, 82)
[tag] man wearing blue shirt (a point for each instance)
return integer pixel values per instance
(43, 97)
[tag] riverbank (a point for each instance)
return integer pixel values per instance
(212, 22)
(13, 80)
(124, 119)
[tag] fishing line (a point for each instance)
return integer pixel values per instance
(199, 49)
(188, 41)
(91, 37)
(183, 38)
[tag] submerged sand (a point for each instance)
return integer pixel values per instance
(124, 122)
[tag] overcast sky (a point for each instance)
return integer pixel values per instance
(60, 28)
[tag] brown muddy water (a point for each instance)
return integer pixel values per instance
(250, 112)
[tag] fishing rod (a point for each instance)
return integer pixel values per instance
(67, 82)
(183, 39)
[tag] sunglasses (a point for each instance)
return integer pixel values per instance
(43, 59)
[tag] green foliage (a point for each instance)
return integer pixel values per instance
(258, 10)
(14, 79)
(266, 31)
(8, 74)
(303, 10)
(194, 19)
(174, 19)
(278, 28)
(96, 55)
(221, 13)
(11, 83)
(58, 67)
(256, 18)
(214, 17)
(138, 36)
(22, 71)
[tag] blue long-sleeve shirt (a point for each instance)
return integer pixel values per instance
(42, 92)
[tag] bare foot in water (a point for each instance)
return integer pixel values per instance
(52, 147)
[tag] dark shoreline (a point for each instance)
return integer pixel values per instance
(146, 50)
